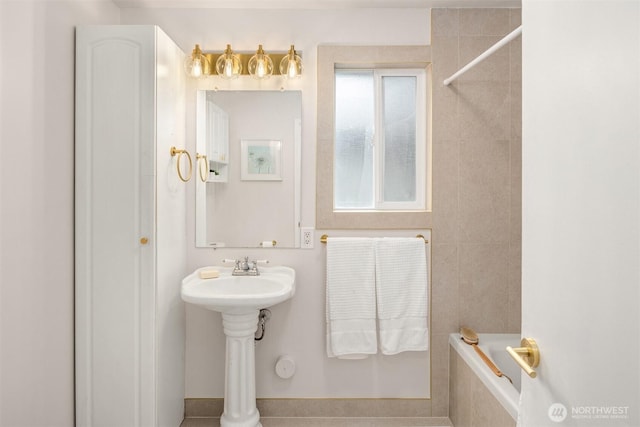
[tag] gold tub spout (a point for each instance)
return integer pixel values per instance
(527, 356)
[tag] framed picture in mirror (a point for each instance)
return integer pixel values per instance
(260, 160)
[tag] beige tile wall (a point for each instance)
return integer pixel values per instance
(476, 182)
(472, 404)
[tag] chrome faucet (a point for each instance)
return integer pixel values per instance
(246, 268)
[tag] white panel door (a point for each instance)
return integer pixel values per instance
(115, 205)
(581, 211)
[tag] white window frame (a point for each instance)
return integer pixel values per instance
(378, 140)
(421, 139)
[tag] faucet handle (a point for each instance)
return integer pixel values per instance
(261, 261)
(227, 260)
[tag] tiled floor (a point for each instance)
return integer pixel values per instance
(329, 422)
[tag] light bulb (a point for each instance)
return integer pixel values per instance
(293, 71)
(196, 70)
(291, 65)
(260, 65)
(196, 65)
(228, 68)
(260, 69)
(228, 65)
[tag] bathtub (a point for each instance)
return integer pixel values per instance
(493, 345)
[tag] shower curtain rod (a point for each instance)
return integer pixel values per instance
(512, 35)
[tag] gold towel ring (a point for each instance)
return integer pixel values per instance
(175, 151)
(203, 162)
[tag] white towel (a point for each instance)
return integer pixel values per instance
(401, 284)
(351, 298)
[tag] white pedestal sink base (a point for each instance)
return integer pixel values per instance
(240, 374)
(239, 299)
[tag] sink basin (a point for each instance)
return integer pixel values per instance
(228, 293)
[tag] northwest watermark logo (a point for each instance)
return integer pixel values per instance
(558, 412)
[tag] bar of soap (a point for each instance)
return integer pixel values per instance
(209, 274)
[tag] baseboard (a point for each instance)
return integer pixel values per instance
(330, 407)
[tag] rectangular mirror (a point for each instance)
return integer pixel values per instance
(248, 187)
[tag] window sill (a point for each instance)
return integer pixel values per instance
(373, 220)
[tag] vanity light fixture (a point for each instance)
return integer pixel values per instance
(197, 65)
(291, 65)
(260, 65)
(228, 64)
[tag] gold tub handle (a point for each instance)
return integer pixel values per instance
(175, 151)
(527, 356)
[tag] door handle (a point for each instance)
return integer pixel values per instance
(527, 356)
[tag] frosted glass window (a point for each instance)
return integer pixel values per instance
(354, 122)
(399, 121)
(380, 144)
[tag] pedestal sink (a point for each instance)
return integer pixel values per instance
(239, 299)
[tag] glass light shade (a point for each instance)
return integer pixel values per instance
(197, 65)
(260, 65)
(291, 65)
(228, 65)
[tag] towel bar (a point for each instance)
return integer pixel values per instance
(324, 237)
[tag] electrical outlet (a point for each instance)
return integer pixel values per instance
(306, 237)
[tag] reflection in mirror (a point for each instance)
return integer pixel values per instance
(251, 194)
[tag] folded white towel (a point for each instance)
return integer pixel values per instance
(401, 284)
(351, 298)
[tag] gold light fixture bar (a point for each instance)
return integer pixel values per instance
(244, 59)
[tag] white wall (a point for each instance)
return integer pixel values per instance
(581, 208)
(36, 207)
(297, 327)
